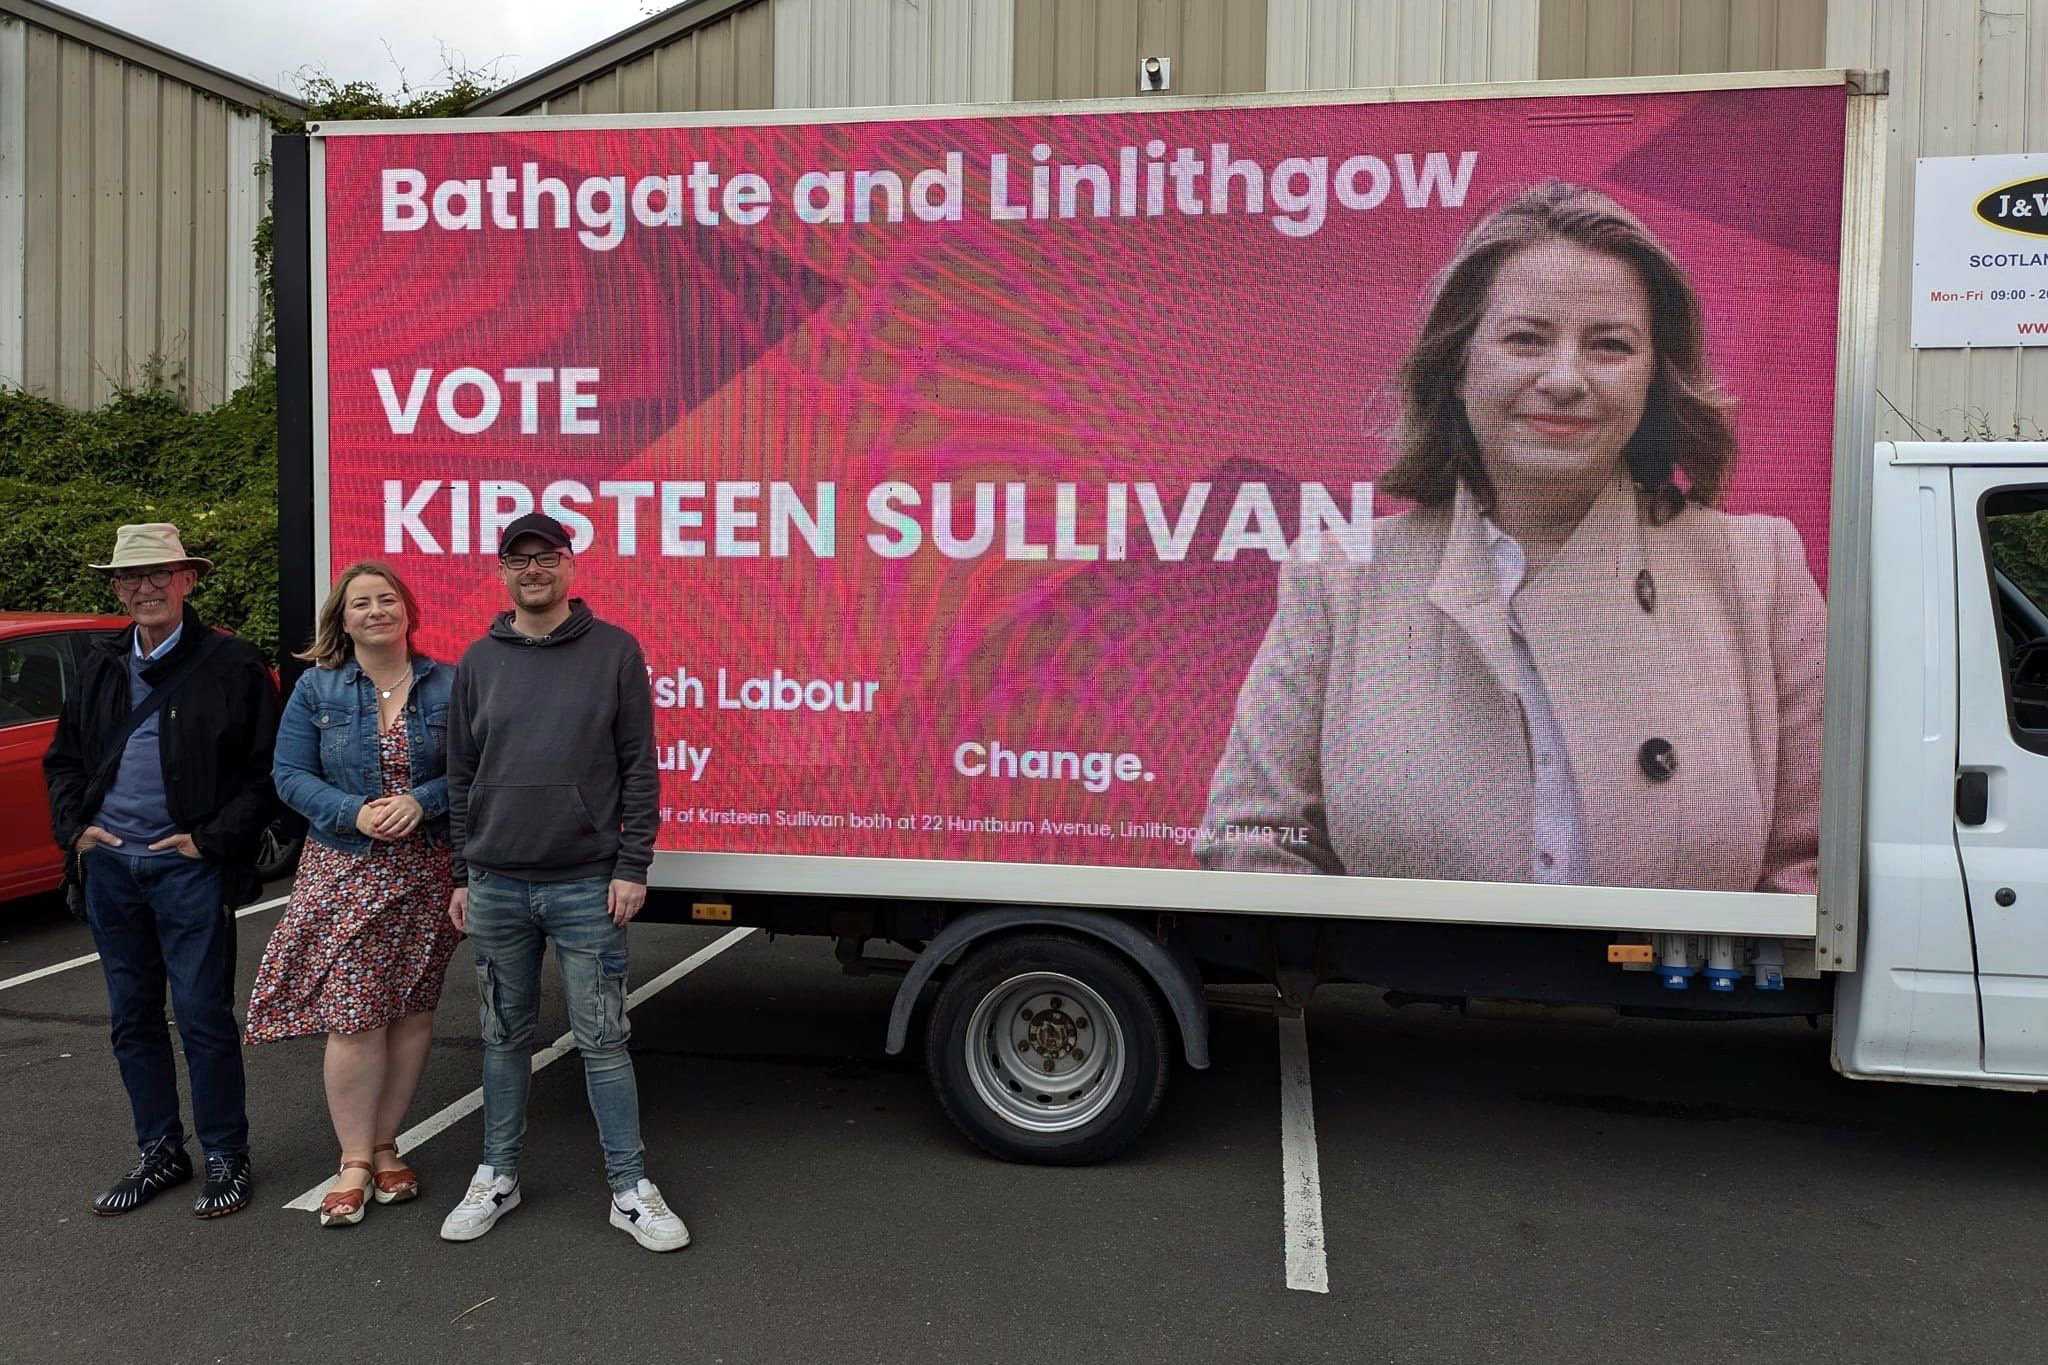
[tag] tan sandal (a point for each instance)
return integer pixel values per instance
(344, 1208)
(396, 1185)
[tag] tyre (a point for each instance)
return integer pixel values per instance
(1048, 1048)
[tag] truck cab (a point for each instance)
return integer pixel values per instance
(1952, 982)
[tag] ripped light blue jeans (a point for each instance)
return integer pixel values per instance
(510, 924)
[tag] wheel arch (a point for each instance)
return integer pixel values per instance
(1171, 969)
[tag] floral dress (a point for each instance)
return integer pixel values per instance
(366, 936)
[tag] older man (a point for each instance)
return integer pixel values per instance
(159, 778)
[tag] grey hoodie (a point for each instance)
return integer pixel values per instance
(551, 772)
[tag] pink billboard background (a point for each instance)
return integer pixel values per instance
(1170, 349)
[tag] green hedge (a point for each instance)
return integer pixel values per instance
(2019, 546)
(69, 479)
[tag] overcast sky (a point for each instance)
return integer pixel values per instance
(270, 41)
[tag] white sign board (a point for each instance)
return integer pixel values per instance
(1980, 251)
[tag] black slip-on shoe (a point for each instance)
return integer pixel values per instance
(163, 1165)
(227, 1185)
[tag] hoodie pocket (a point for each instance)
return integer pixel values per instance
(546, 824)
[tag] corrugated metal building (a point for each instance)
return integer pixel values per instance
(131, 184)
(1967, 78)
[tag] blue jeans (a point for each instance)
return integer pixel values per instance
(510, 924)
(157, 921)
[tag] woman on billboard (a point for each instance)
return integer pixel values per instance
(1563, 664)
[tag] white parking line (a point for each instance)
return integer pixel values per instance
(1301, 1176)
(39, 973)
(437, 1123)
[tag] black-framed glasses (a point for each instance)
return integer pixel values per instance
(129, 578)
(546, 559)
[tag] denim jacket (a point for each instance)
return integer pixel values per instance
(326, 764)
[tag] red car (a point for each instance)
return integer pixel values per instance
(40, 654)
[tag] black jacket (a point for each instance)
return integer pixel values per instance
(214, 736)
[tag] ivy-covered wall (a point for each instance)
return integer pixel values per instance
(69, 479)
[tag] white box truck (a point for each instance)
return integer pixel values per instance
(1090, 555)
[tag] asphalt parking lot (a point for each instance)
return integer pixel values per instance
(1489, 1191)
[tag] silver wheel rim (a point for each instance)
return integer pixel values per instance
(1045, 1052)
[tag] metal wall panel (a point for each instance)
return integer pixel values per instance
(139, 204)
(601, 94)
(873, 23)
(1334, 44)
(73, 245)
(1035, 63)
(993, 73)
(728, 63)
(1948, 126)
(973, 51)
(1110, 62)
(13, 198)
(675, 76)
(717, 82)
(2033, 361)
(1244, 46)
(42, 195)
(1468, 30)
(1802, 30)
(1654, 35)
(1419, 43)
(207, 380)
(1667, 37)
(1753, 36)
(1515, 29)
(831, 59)
(1083, 49)
(1610, 39)
(870, 53)
(640, 82)
(110, 361)
(1999, 102)
(248, 194)
(753, 58)
(176, 238)
(1561, 31)
(1083, 32)
(1966, 80)
(1705, 33)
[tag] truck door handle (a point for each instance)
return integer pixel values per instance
(1973, 797)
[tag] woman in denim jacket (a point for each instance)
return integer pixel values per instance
(363, 947)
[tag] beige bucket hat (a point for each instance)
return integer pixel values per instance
(150, 545)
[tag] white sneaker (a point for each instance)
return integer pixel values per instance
(644, 1213)
(491, 1196)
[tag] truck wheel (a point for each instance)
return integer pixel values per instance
(1048, 1048)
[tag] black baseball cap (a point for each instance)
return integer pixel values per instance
(534, 524)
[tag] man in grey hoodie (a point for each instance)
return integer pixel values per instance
(552, 804)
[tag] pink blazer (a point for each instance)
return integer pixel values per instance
(1380, 726)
